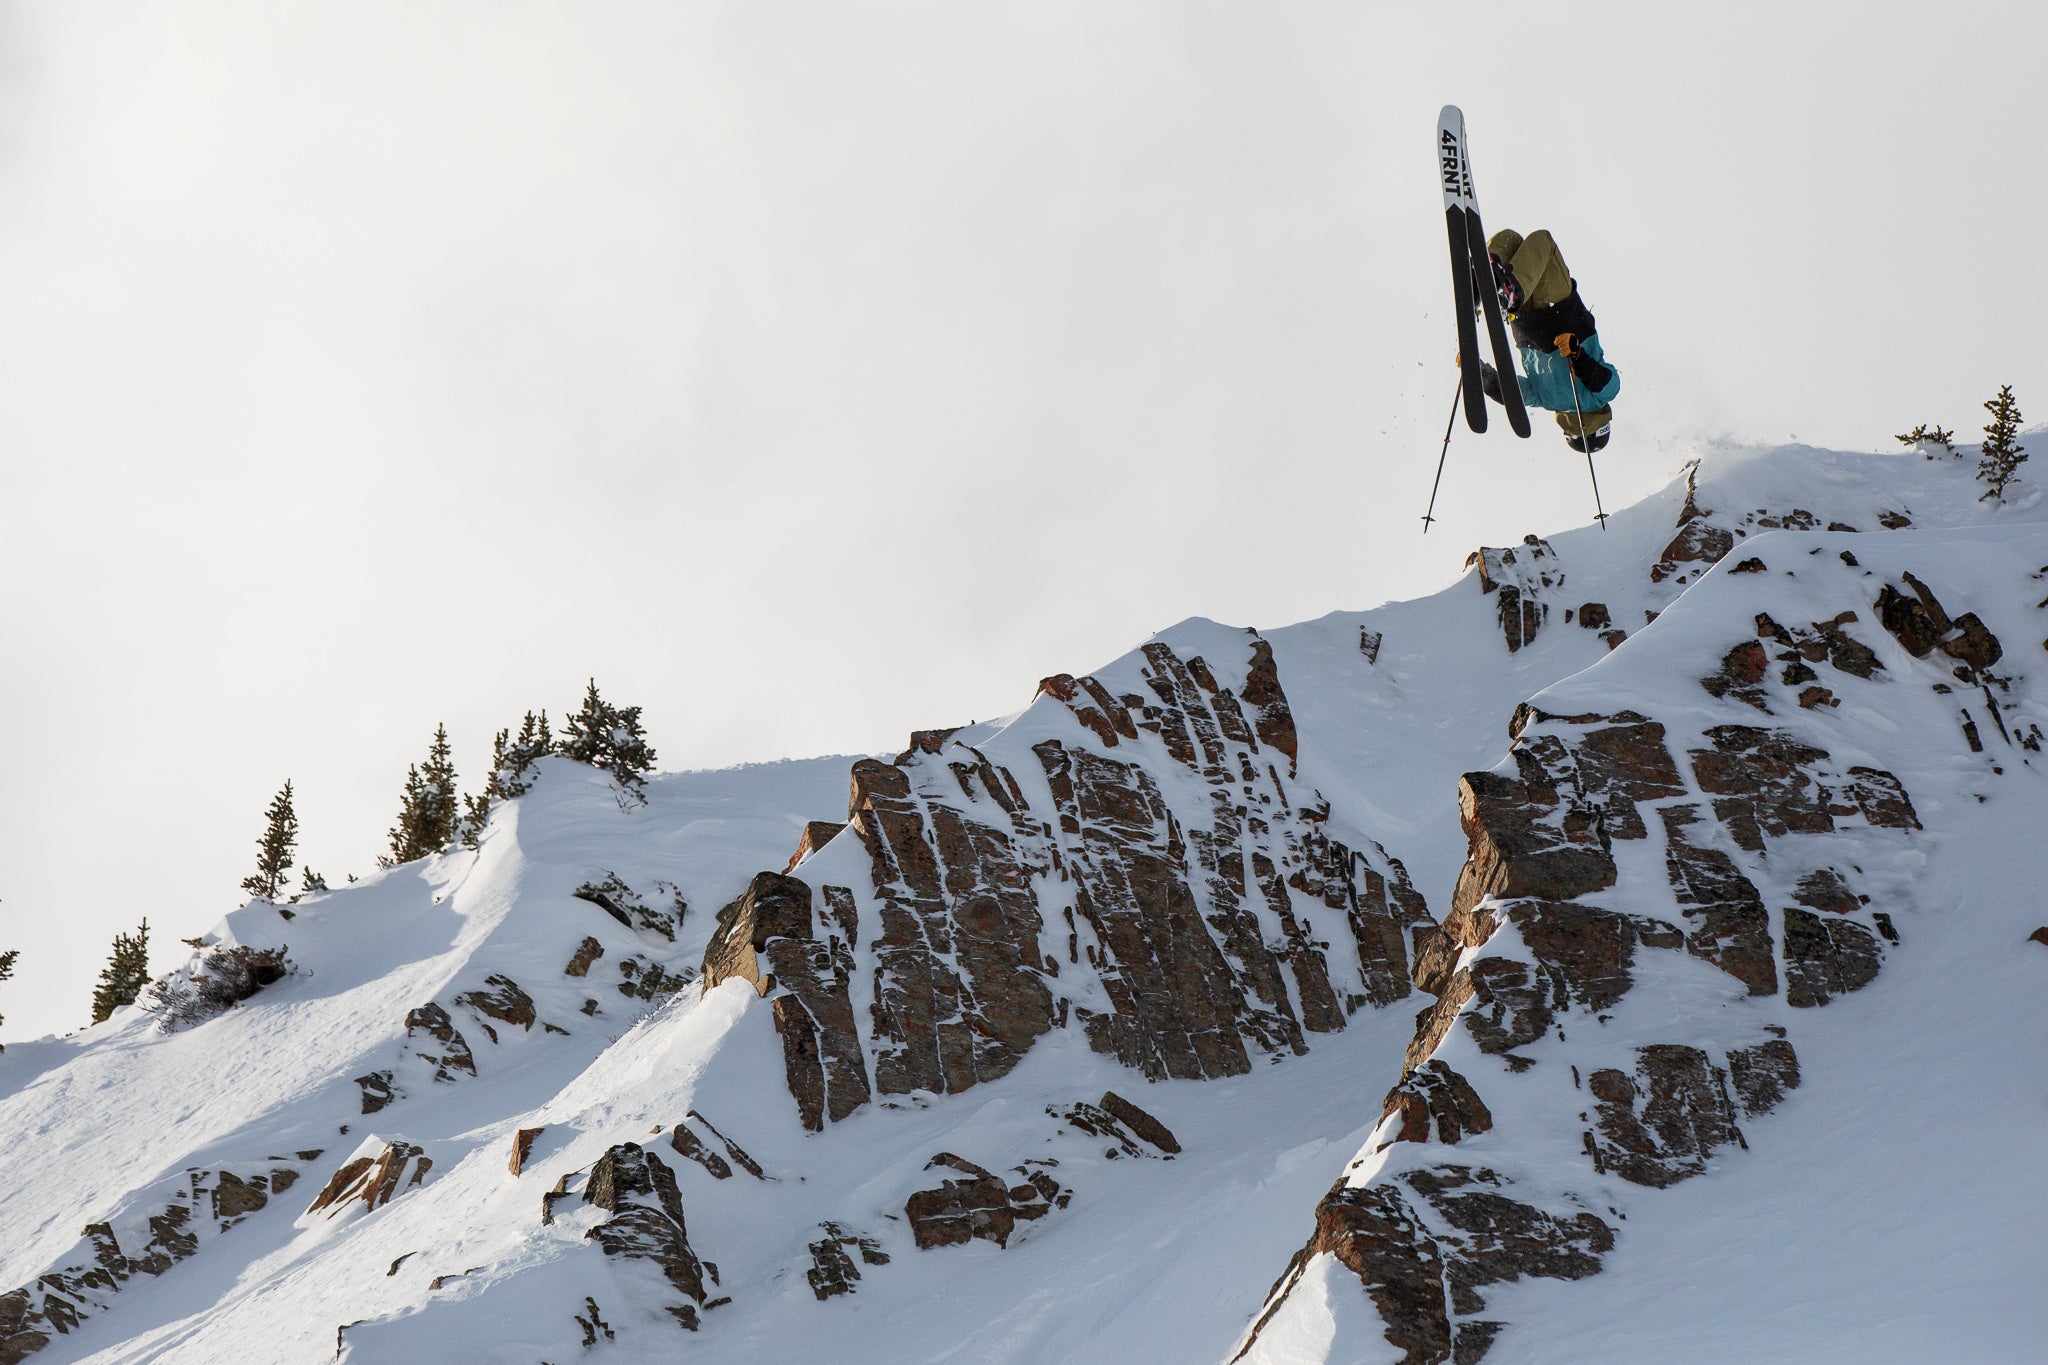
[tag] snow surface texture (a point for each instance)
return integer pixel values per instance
(1875, 1214)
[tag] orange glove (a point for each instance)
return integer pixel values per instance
(1564, 344)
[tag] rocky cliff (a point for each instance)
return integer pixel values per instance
(1519, 913)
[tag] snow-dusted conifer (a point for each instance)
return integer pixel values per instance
(2002, 452)
(609, 737)
(274, 849)
(1925, 435)
(7, 971)
(512, 772)
(427, 812)
(126, 973)
(311, 883)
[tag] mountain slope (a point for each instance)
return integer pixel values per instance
(1050, 1048)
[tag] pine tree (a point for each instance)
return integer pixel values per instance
(127, 972)
(311, 883)
(512, 773)
(2002, 452)
(427, 811)
(274, 856)
(610, 737)
(7, 972)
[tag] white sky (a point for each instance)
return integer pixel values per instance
(809, 373)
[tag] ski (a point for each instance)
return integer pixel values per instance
(1504, 361)
(1458, 200)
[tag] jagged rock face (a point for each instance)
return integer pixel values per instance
(522, 1148)
(1765, 784)
(373, 1180)
(833, 1271)
(1434, 1100)
(639, 1191)
(960, 988)
(1659, 1125)
(1195, 917)
(377, 1090)
(1537, 897)
(1726, 922)
(687, 1143)
(1135, 1132)
(767, 937)
(1426, 1242)
(504, 1001)
(453, 1055)
(983, 1205)
(1517, 580)
(202, 1204)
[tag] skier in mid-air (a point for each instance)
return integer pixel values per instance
(1563, 367)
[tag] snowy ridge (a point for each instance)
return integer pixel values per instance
(1051, 1050)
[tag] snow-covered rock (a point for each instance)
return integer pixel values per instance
(1700, 844)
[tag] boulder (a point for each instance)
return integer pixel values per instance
(1142, 1124)
(832, 1269)
(502, 1000)
(371, 1178)
(522, 1147)
(451, 1055)
(639, 1191)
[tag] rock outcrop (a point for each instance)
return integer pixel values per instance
(371, 1179)
(170, 1226)
(833, 1271)
(1518, 581)
(1537, 948)
(983, 1205)
(639, 1191)
(1152, 879)
(767, 937)
(1425, 1243)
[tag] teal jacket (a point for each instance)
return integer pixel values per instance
(1547, 379)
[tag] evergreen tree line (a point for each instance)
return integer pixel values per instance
(2001, 455)
(432, 817)
(6, 973)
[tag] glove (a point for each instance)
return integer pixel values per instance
(1564, 345)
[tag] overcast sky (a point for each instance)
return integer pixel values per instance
(809, 373)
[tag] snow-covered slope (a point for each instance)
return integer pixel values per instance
(1052, 1038)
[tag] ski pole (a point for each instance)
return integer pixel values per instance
(1599, 512)
(1456, 398)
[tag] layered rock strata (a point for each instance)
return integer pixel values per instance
(1152, 877)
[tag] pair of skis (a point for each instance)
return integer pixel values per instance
(1472, 279)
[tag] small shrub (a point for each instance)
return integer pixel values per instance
(1924, 435)
(221, 980)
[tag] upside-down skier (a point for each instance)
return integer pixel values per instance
(1563, 366)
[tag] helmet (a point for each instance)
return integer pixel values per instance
(1587, 445)
(1506, 286)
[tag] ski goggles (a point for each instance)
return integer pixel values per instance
(1506, 286)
